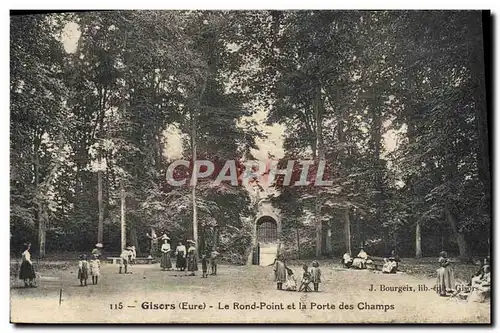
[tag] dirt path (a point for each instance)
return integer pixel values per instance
(344, 297)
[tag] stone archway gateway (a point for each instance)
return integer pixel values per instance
(267, 234)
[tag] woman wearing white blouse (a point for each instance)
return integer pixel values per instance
(27, 272)
(180, 253)
(165, 263)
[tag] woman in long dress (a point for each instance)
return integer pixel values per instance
(279, 271)
(192, 260)
(445, 279)
(27, 272)
(180, 254)
(165, 263)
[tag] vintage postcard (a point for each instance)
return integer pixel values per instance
(266, 166)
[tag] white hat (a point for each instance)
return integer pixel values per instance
(98, 245)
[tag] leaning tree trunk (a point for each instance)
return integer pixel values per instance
(459, 237)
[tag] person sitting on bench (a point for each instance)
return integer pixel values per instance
(391, 263)
(347, 260)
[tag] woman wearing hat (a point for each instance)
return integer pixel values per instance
(192, 260)
(27, 272)
(165, 262)
(97, 251)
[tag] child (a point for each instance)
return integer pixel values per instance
(291, 282)
(279, 272)
(125, 257)
(306, 279)
(83, 270)
(315, 275)
(134, 255)
(95, 268)
(204, 262)
(213, 262)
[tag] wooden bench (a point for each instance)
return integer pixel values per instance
(114, 260)
(147, 261)
(117, 260)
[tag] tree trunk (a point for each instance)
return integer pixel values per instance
(215, 238)
(202, 247)
(459, 237)
(194, 176)
(386, 240)
(123, 211)
(480, 107)
(347, 226)
(42, 230)
(418, 241)
(298, 241)
(328, 240)
(100, 224)
(133, 239)
(318, 113)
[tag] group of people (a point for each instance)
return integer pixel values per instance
(186, 258)
(363, 261)
(284, 274)
(89, 268)
(480, 283)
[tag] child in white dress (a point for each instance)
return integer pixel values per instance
(95, 269)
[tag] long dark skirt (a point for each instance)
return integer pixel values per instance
(180, 261)
(165, 260)
(27, 271)
(192, 263)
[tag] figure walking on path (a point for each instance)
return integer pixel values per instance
(27, 272)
